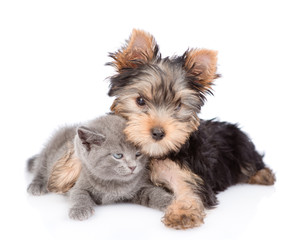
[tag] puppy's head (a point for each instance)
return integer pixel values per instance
(160, 97)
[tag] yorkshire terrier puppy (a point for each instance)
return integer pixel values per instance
(160, 99)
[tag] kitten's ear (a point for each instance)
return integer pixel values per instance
(201, 65)
(88, 137)
(139, 49)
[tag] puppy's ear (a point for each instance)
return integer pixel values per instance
(200, 64)
(139, 49)
(88, 137)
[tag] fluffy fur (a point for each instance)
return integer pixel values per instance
(111, 169)
(160, 99)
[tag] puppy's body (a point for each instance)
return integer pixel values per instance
(160, 98)
(222, 155)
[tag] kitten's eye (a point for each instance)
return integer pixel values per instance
(118, 155)
(178, 107)
(140, 101)
(138, 154)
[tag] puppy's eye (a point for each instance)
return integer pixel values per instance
(140, 101)
(117, 155)
(138, 154)
(178, 107)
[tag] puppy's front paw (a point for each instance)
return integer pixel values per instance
(81, 213)
(183, 215)
(37, 189)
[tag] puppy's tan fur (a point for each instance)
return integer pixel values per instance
(163, 86)
(187, 210)
(65, 173)
(264, 176)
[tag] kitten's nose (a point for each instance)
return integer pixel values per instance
(158, 133)
(132, 168)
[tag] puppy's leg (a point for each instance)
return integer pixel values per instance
(252, 168)
(264, 176)
(187, 209)
(65, 173)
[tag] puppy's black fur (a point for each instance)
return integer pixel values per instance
(167, 94)
(222, 155)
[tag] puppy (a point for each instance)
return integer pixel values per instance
(160, 99)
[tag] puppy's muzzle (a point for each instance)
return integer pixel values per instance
(157, 133)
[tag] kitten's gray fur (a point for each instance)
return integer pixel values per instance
(103, 178)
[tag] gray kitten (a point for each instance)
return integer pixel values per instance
(112, 170)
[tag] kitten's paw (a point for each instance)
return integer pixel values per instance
(37, 189)
(180, 215)
(164, 200)
(81, 213)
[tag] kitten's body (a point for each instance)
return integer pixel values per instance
(41, 165)
(103, 178)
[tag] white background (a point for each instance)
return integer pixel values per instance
(52, 56)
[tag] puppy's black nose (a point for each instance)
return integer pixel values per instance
(157, 133)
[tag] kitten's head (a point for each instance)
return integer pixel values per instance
(105, 153)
